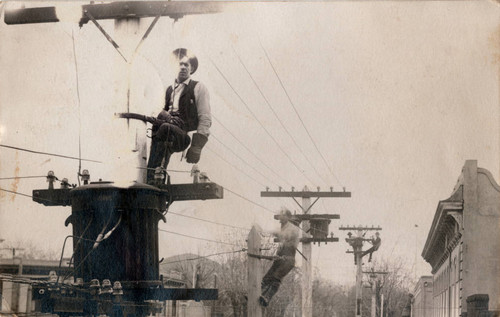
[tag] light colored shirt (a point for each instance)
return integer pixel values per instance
(289, 236)
(202, 104)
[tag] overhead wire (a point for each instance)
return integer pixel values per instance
(234, 153)
(235, 167)
(227, 189)
(21, 177)
(79, 109)
(297, 113)
(258, 121)
(21, 194)
(198, 238)
(205, 256)
(251, 152)
(249, 200)
(275, 114)
(208, 221)
(46, 153)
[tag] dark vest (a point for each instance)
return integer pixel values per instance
(187, 106)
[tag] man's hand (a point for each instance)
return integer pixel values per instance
(163, 115)
(194, 152)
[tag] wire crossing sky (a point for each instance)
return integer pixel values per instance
(387, 99)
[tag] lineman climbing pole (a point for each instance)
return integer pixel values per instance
(356, 243)
(315, 229)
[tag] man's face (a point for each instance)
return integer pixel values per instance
(184, 69)
(283, 219)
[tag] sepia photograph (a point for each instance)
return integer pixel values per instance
(250, 159)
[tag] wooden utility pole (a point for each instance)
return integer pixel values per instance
(374, 281)
(306, 265)
(307, 237)
(382, 305)
(126, 38)
(356, 243)
(254, 274)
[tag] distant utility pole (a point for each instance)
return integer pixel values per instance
(315, 229)
(254, 273)
(356, 243)
(13, 250)
(373, 281)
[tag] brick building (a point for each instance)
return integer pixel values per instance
(421, 305)
(15, 276)
(463, 244)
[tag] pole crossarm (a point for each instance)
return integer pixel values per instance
(311, 216)
(144, 9)
(263, 257)
(314, 240)
(315, 229)
(359, 228)
(349, 240)
(115, 10)
(175, 192)
(305, 194)
(309, 240)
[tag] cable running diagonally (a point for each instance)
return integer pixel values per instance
(297, 113)
(198, 238)
(25, 195)
(260, 123)
(44, 153)
(79, 110)
(251, 152)
(208, 221)
(232, 151)
(249, 200)
(235, 167)
(21, 177)
(276, 115)
(204, 256)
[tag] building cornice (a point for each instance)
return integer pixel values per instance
(451, 207)
(446, 254)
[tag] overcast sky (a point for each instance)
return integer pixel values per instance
(395, 95)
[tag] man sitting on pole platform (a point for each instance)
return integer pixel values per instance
(187, 108)
(284, 261)
(376, 244)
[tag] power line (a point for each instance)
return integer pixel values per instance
(79, 109)
(250, 151)
(213, 222)
(276, 115)
(197, 238)
(21, 177)
(14, 192)
(297, 113)
(260, 123)
(232, 151)
(205, 256)
(45, 153)
(237, 168)
(250, 201)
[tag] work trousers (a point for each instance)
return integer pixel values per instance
(272, 280)
(167, 138)
(370, 251)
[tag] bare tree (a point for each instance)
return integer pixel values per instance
(395, 285)
(27, 250)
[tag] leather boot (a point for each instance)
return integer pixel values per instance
(156, 154)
